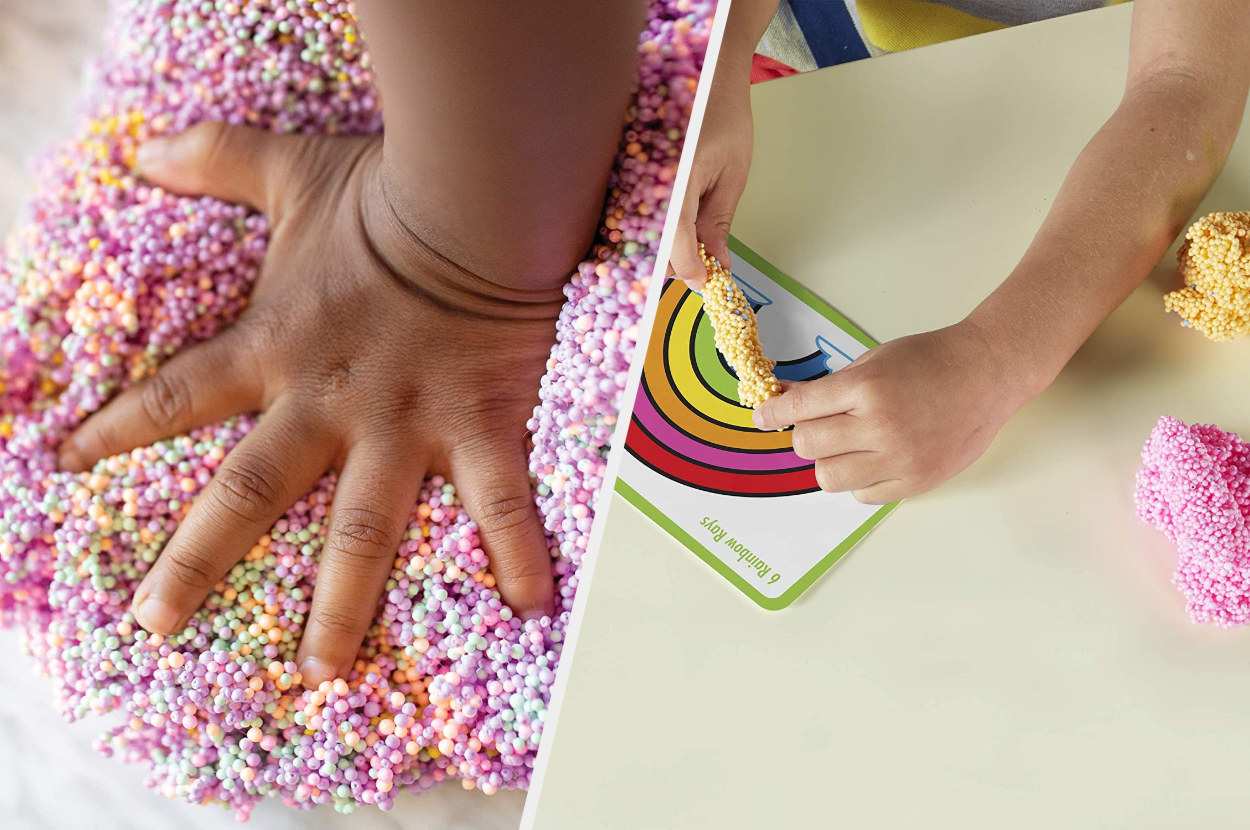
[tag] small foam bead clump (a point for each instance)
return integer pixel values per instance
(1215, 264)
(1194, 485)
(106, 277)
(737, 333)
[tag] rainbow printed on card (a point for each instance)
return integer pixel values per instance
(687, 424)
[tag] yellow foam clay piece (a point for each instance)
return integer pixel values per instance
(1215, 264)
(737, 333)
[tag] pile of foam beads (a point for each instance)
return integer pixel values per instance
(737, 333)
(1215, 264)
(1194, 485)
(106, 277)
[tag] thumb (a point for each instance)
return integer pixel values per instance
(235, 164)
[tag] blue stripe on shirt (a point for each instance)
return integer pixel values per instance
(830, 32)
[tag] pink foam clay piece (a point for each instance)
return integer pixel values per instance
(1194, 485)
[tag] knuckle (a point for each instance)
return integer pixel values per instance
(392, 420)
(212, 144)
(246, 488)
(888, 425)
(266, 333)
(103, 433)
(189, 569)
(913, 461)
(516, 569)
(827, 478)
(504, 513)
(165, 399)
(804, 442)
(338, 376)
(925, 479)
(335, 621)
(868, 497)
(886, 419)
(791, 404)
(362, 534)
(875, 395)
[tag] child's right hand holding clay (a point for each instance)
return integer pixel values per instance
(906, 416)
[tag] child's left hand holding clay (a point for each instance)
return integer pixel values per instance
(903, 418)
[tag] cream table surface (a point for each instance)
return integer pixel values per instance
(1006, 651)
(49, 777)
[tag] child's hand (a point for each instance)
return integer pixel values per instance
(717, 179)
(368, 354)
(903, 418)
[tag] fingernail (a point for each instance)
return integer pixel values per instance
(757, 419)
(314, 671)
(158, 616)
(535, 613)
(153, 153)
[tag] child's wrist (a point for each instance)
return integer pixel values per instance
(1020, 369)
(733, 73)
(430, 273)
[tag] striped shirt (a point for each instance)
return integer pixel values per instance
(810, 34)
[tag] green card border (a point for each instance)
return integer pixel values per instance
(737, 248)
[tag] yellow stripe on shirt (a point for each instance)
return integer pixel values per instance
(897, 25)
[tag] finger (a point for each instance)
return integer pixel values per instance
(684, 259)
(852, 471)
(716, 215)
(259, 480)
(236, 164)
(493, 480)
(826, 437)
(203, 384)
(372, 507)
(883, 492)
(830, 395)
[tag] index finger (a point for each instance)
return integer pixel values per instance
(684, 260)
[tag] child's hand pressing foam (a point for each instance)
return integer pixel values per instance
(368, 354)
(903, 418)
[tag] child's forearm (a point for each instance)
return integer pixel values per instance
(501, 126)
(748, 19)
(1129, 193)
(1123, 202)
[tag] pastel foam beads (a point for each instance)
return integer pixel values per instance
(106, 277)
